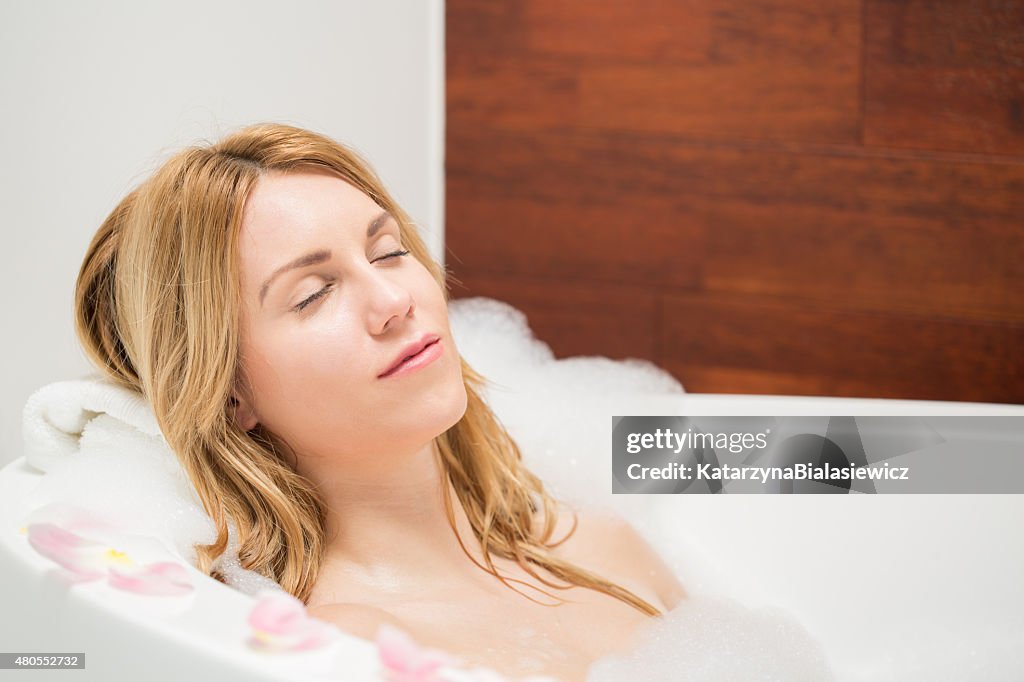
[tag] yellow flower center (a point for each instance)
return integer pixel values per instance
(117, 557)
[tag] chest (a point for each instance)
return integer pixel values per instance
(506, 631)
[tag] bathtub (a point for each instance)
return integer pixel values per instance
(892, 586)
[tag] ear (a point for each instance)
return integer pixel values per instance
(244, 414)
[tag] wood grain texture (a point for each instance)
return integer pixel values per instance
(723, 343)
(728, 344)
(615, 241)
(721, 189)
(945, 74)
(877, 233)
(757, 68)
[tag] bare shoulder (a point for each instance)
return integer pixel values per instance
(610, 544)
(360, 620)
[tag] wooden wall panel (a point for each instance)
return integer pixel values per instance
(619, 240)
(689, 183)
(876, 233)
(837, 351)
(945, 74)
(746, 68)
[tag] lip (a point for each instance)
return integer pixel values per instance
(415, 355)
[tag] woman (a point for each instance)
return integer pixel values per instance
(283, 317)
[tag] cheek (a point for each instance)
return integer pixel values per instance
(320, 358)
(299, 373)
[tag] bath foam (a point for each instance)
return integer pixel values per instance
(496, 340)
(709, 639)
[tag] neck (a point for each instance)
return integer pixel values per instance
(387, 528)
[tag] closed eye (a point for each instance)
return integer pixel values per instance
(323, 292)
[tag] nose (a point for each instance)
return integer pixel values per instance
(389, 302)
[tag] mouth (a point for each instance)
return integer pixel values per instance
(415, 356)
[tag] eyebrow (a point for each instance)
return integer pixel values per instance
(319, 256)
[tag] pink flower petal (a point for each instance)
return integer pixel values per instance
(395, 647)
(280, 623)
(405, 660)
(164, 579)
(277, 613)
(83, 558)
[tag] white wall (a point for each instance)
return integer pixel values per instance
(95, 94)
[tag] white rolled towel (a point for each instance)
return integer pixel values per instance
(56, 415)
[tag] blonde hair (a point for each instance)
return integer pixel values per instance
(157, 308)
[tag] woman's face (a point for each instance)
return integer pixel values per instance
(329, 305)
